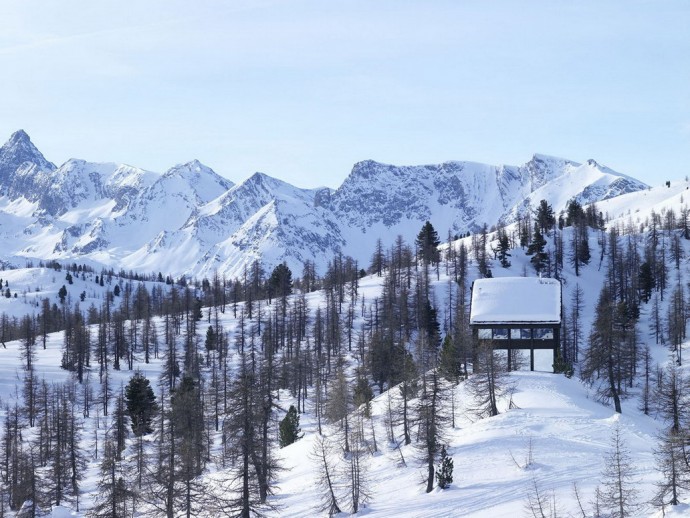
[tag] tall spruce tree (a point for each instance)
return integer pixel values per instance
(141, 404)
(427, 244)
(503, 248)
(603, 351)
(536, 249)
(289, 427)
(544, 217)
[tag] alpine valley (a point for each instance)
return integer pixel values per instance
(191, 221)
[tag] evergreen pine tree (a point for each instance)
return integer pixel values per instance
(427, 244)
(536, 248)
(210, 342)
(141, 404)
(450, 364)
(62, 293)
(646, 281)
(444, 472)
(502, 251)
(545, 218)
(280, 281)
(289, 427)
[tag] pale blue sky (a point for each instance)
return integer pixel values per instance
(302, 90)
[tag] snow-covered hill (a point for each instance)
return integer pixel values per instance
(555, 434)
(189, 220)
(566, 434)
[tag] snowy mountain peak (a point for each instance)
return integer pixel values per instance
(549, 159)
(20, 146)
(20, 152)
(368, 168)
(541, 169)
(195, 165)
(194, 172)
(259, 178)
(203, 180)
(19, 137)
(189, 168)
(261, 184)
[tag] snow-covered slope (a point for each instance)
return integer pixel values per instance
(189, 220)
(553, 435)
(569, 436)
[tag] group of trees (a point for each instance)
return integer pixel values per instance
(219, 392)
(48, 469)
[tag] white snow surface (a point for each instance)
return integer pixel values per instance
(516, 300)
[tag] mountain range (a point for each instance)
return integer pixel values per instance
(190, 220)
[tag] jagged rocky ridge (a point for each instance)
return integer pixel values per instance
(189, 220)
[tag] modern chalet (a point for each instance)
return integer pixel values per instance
(517, 313)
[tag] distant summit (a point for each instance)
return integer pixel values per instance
(19, 152)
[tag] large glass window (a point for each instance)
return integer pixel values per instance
(543, 333)
(484, 334)
(501, 334)
(521, 334)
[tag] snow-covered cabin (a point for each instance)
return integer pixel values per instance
(517, 313)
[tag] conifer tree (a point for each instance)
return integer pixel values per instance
(378, 259)
(619, 495)
(544, 216)
(536, 249)
(114, 496)
(427, 244)
(580, 253)
(503, 248)
(280, 282)
(450, 364)
(327, 482)
(488, 382)
(671, 461)
(646, 281)
(241, 433)
(604, 348)
(356, 469)
(362, 394)
(432, 420)
(444, 472)
(189, 427)
(289, 427)
(141, 404)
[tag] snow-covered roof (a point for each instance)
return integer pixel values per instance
(516, 300)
